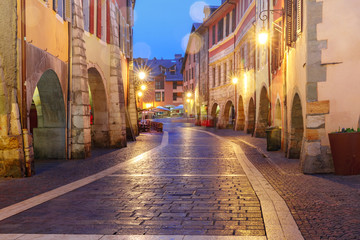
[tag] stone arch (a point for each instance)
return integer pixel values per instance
(215, 114)
(251, 117)
(296, 129)
(278, 118)
(229, 115)
(240, 125)
(263, 116)
(99, 113)
(49, 131)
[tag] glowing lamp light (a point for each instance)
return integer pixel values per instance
(148, 105)
(263, 37)
(188, 100)
(143, 87)
(142, 75)
(188, 95)
(140, 94)
(234, 80)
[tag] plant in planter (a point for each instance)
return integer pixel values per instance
(345, 150)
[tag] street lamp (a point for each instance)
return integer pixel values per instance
(142, 75)
(188, 94)
(140, 94)
(263, 39)
(143, 87)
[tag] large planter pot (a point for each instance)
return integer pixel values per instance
(345, 149)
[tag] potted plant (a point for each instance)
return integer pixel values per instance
(345, 150)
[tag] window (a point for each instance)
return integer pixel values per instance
(277, 50)
(225, 73)
(159, 84)
(58, 6)
(173, 70)
(294, 19)
(194, 58)
(213, 35)
(214, 76)
(174, 85)
(163, 96)
(163, 69)
(233, 20)
(158, 96)
(220, 30)
(227, 29)
(174, 96)
(219, 75)
(86, 13)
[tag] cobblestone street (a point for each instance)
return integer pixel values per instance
(184, 183)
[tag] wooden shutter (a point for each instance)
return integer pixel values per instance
(68, 10)
(289, 22)
(98, 19)
(299, 16)
(108, 21)
(91, 17)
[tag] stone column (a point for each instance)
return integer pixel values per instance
(117, 117)
(132, 100)
(12, 159)
(80, 111)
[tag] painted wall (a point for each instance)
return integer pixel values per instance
(45, 29)
(339, 28)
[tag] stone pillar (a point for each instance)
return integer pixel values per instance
(315, 158)
(80, 111)
(117, 117)
(12, 160)
(132, 100)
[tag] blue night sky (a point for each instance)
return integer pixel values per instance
(161, 25)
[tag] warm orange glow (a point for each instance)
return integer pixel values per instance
(148, 105)
(142, 75)
(188, 95)
(188, 100)
(234, 80)
(245, 81)
(263, 37)
(143, 87)
(140, 94)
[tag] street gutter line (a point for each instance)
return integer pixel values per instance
(177, 175)
(279, 223)
(44, 197)
(124, 237)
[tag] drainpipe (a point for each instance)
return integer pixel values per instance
(69, 99)
(253, 130)
(23, 66)
(268, 60)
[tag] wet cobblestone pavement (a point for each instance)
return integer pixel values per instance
(324, 206)
(193, 186)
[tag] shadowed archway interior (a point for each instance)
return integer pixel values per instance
(48, 125)
(240, 125)
(229, 115)
(297, 129)
(98, 110)
(262, 122)
(215, 114)
(251, 117)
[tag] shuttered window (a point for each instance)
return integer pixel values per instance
(68, 10)
(220, 30)
(98, 19)
(213, 35)
(227, 29)
(233, 20)
(294, 19)
(92, 20)
(108, 21)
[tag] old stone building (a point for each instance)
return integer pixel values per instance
(70, 80)
(292, 65)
